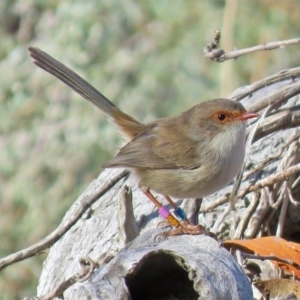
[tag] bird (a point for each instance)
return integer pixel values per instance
(191, 155)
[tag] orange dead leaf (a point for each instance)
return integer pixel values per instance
(271, 245)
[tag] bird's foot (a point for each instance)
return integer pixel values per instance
(186, 227)
(163, 224)
(183, 226)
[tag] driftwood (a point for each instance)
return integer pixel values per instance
(184, 267)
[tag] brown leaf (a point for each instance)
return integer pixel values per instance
(271, 245)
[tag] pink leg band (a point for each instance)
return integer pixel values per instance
(164, 212)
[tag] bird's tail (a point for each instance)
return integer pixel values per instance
(128, 125)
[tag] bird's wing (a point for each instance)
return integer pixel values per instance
(157, 148)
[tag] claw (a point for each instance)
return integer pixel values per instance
(187, 228)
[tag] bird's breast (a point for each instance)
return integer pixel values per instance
(221, 162)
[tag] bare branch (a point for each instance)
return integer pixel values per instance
(275, 204)
(291, 197)
(271, 257)
(220, 201)
(268, 181)
(219, 55)
(282, 214)
(247, 215)
(258, 218)
(89, 197)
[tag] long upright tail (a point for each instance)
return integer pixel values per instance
(128, 125)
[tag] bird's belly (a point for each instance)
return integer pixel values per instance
(196, 183)
(186, 183)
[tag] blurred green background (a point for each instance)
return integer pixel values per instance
(146, 56)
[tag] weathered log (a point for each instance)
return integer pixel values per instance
(187, 267)
(182, 267)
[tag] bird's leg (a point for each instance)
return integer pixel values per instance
(162, 210)
(180, 228)
(185, 226)
(191, 230)
(178, 211)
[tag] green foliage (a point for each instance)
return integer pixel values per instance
(145, 56)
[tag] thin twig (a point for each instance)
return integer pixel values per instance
(246, 216)
(271, 257)
(291, 197)
(258, 217)
(282, 215)
(267, 181)
(276, 204)
(271, 179)
(220, 201)
(219, 55)
(211, 50)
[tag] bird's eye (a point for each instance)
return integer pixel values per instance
(221, 117)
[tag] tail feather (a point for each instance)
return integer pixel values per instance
(128, 125)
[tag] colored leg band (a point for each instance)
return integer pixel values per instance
(180, 214)
(166, 215)
(173, 221)
(164, 212)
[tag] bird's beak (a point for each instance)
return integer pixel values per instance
(247, 115)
